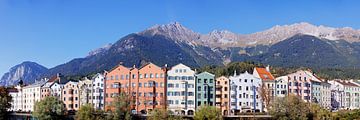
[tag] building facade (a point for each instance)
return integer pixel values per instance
(85, 91)
(222, 94)
(151, 88)
(344, 94)
(117, 81)
(70, 96)
(281, 86)
(244, 96)
(98, 91)
(181, 90)
(32, 94)
(205, 89)
(300, 85)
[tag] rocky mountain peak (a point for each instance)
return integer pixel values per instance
(174, 31)
(27, 71)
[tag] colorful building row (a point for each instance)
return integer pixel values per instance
(182, 90)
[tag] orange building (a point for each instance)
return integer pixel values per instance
(145, 86)
(117, 81)
(222, 94)
(71, 95)
(151, 88)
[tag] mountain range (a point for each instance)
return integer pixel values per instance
(299, 44)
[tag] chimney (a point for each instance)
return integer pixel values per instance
(134, 66)
(234, 73)
(268, 68)
(121, 63)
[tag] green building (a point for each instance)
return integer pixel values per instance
(205, 89)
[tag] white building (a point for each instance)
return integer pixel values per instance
(344, 94)
(325, 101)
(85, 91)
(98, 91)
(16, 95)
(281, 86)
(181, 90)
(32, 94)
(243, 96)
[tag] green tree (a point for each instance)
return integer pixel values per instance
(319, 113)
(208, 112)
(121, 107)
(163, 114)
(290, 108)
(50, 108)
(5, 104)
(85, 112)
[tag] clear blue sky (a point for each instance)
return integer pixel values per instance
(52, 32)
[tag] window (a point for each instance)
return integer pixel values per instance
(151, 75)
(140, 85)
(116, 77)
(245, 80)
(145, 75)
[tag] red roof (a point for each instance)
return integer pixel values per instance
(12, 90)
(347, 83)
(264, 74)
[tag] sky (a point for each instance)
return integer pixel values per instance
(53, 32)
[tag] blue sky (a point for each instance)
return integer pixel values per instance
(52, 32)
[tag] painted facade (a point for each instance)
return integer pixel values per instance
(85, 91)
(222, 94)
(281, 86)
(344, 94)
(32, 94)
(98, 91)
(181, 90)
(70, 95)
(244, 96)
(205, 89)
(151, 88)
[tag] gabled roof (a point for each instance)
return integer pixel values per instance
(13, 90)
(205, 72)
(264, 74)
(347, 83)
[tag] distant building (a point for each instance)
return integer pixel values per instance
(145, 86)
(205, 93)
(181, 90)
(222, 94)
(281, 86)
(151, 88)
(71, 95)
(244, 94)
(16, 101)
(85, 91)
(98, 91)
(32, 94)
(268, 80)
(117, 81)
(344, 94)
(300, 84)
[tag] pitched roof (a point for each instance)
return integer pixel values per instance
(347, 83)
(12, 90)
(264, 74)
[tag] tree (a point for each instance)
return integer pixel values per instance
(319, 113)
(85, 112)
(49, 108)
(5, 104)
(122, 107)
(162, 114)
(265, 95)
(290, 107)
(208, 112)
